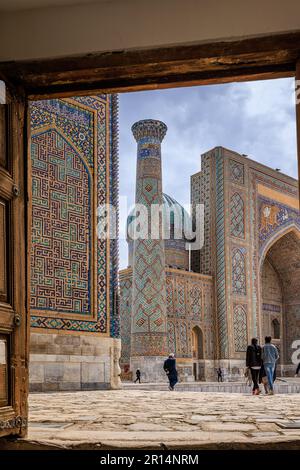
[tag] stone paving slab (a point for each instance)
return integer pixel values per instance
(137, 419)
(231, 427)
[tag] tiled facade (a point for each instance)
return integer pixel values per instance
(252, 223)
(189, 305)
(74, 274)
(245, 281)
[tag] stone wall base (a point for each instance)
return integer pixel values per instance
(67, 362)
(151, 368)
(233, 369)
(193, 371)
(286, 370)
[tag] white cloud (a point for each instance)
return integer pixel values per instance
(254, 118)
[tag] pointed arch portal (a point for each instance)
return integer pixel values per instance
(198, 352)
(280, 294)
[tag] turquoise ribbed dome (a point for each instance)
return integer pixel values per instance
(172, 208)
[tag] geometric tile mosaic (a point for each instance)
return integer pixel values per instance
(74, 156)
(171, 337)
(237, 228)
(240, 328)
(149, 316)
(236, 172)
(238, 272)
(220, 253)
(61, 226)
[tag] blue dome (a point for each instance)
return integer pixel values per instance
(172, 209)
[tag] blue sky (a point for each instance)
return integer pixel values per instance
(253, 118)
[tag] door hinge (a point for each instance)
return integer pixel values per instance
(17, 319)
(16, 191)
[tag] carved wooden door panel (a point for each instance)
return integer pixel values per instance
(13, 266)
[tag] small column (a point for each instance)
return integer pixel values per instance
(149, 313)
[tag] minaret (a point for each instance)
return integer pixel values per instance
(149, 313)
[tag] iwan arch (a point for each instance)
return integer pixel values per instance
(280, 297)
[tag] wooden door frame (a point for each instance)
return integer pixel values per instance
(14, 318)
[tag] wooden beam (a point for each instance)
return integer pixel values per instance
(197, 64)
(297, 96)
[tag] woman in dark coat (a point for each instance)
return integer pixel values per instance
(170, 369)
(254, 362)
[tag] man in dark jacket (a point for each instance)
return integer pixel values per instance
(220, 374)
(253, 361)
(170, 369)
(138, 376)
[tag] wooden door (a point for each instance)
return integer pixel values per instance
(13, 266)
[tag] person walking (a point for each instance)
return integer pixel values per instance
(138, 376)
(270, 356)
(253, 362)
(170, 369)
(220, 374)
(263, 379)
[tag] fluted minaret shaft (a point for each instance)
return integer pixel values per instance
(149, 314)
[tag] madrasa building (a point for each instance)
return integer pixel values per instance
(205, 305)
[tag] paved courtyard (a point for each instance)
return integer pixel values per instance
(162, 419)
